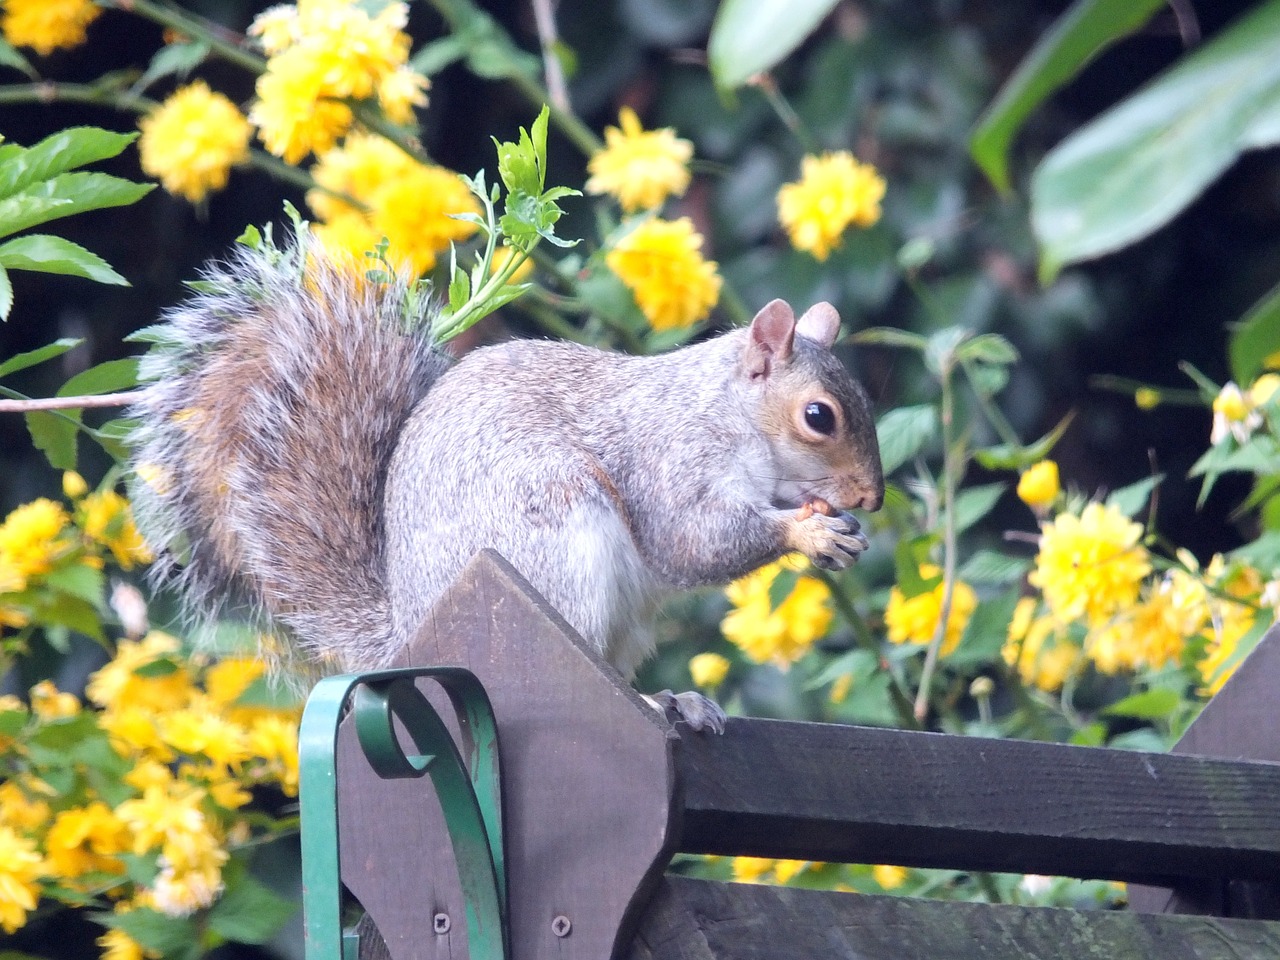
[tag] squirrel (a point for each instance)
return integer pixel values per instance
(304, 452)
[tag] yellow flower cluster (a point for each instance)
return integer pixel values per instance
(661, 262)
(834, 192)
(1041, 654)
(47, 25)
(322, 54)
(413, 205)
(189, 750)
(641, 168)
(192, 140)
(780, 634)
(915, 619)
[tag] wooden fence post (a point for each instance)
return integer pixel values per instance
(588, 783)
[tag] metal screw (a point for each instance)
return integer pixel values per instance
(561, 926)
(440, 923)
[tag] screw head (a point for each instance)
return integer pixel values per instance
(441, 923)
(561, 926)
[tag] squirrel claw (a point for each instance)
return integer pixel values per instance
(832, 541)
(701, 713)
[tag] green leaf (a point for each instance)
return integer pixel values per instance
(993, 568)
(65, 195)
(249, 912)
(6, 294)
(988, 348)
(974, 503)
(1131, 499)
(1075, 38)
(902, 432)
(172, 60)
(58, 153)
(985, 634)
(908, 556)
(171, 936)
(22, 361)
(1008, 457)
(890, 337)
(107, 377)
(79, 580)
(49, 254)
(1137, 166)
(54, 435)
(751, 36)
(438, 54)
(1255, 338)
(1148, 705)
(10, 57)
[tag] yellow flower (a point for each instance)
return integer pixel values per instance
(410, 203)
(275, 740)
(18, 810)
(118, 683)
(640, 167)
(192, 140)
(784, 870)
(780, 635)
(47, 25)
(889, 877)
(85, 840)
(180, 893)
(106, 518)
(1042, 658)
(293, 115)
(199, 730)
(49, 703)
(1146, 398)
(1038, 486)
(834, 191)
(1228, 621)
(324, 52)
(348, 239)
(73, 485)
(118, 945)
(708, 669)
(915, 619)
(29, 537)
(1233, 415)
(227, 679)
(661, 263)
(1091, 565)
(751, 869)
(1148, 634)
(20, 871)
(1263, 389)
(840, 688)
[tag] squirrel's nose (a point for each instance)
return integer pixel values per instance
(870, 500)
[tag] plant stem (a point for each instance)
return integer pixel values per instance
(31, 405)
(49, 92)
(786, 113)
(950, 469)
(226, 43)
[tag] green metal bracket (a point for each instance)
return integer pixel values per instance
(468, 791)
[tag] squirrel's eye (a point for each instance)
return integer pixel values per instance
(820, 418)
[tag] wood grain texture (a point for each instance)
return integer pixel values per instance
(702, 920)
(1241, 722)
(865, 795)
(588, 781)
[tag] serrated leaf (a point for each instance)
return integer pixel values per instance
(902, 433)
(1255, 338)
(751, 36)
(58, 153)
(54, 435)
(991, 567)
(1130, 499)
(1008, 457)
(50, 254)
(1133, 169)
(988, 348)
(22, 361)
(78, 580)
(1075, 39)
(974, 503)
(64, 195)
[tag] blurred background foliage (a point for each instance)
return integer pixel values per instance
(1144, 316)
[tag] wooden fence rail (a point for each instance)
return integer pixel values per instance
(600, 792)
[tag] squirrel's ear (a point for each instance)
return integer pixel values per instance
(820, 323)
(771, 336)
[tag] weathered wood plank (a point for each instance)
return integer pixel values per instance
(701, 920)
(588, 782)
(865, 795)
(1240, 722)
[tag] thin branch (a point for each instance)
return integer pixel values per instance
(71, 403)
(545, 19)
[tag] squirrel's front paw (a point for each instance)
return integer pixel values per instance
(831, 540)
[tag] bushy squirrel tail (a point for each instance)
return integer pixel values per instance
(273, 400)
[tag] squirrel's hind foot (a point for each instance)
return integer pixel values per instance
(701, 713)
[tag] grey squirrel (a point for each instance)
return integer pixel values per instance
(304, 453)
